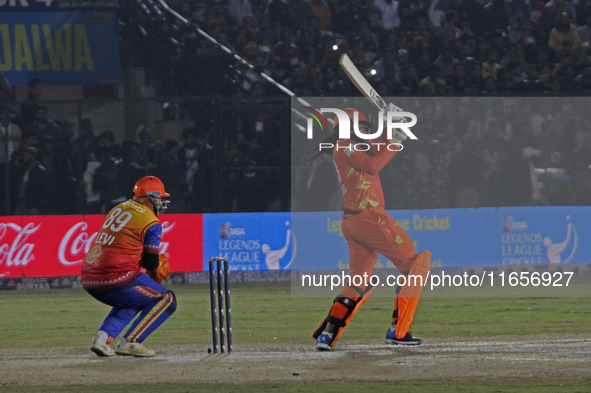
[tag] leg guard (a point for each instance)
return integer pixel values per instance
(342, 311)
(408, 298)
(396, 303)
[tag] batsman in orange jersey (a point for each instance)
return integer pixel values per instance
(128, 241)
(369, 231)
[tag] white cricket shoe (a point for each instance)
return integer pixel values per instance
(100, 344)
(132, 349)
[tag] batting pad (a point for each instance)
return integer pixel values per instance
(409, 296)
(343, 316)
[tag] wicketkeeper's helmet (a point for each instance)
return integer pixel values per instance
(152, 187)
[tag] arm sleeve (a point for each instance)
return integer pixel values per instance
(152, 236)
(150, 261)
(152, 247)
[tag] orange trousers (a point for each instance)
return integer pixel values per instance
(370, 233)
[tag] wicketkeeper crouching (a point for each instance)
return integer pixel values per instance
(128, 241)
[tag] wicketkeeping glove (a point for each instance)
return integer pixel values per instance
(162, 271)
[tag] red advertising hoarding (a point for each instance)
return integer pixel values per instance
(52, 246)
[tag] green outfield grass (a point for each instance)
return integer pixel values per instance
(266, 313)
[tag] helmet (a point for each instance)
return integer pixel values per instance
(152, 187)
(149, 185)
(350, 112)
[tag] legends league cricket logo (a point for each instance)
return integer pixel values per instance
(272, 257)
(553, 250)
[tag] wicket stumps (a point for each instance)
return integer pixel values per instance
(219, 282)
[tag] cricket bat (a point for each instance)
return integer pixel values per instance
(361, 83)
(357, 78)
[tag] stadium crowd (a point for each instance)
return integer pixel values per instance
(523, 154)
(45, 168)
(437, 47)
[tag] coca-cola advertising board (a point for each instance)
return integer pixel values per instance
(51, 246)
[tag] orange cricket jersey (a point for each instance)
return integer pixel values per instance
(358, 174)
(114, 257)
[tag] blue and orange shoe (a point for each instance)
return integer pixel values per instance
(406, 340)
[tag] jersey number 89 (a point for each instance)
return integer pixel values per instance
(116, 220)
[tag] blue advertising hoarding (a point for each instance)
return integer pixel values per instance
(62, 48)
(459, 237)
(512, 236)
(250, 241)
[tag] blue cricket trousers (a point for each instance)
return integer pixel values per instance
(142, 295)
